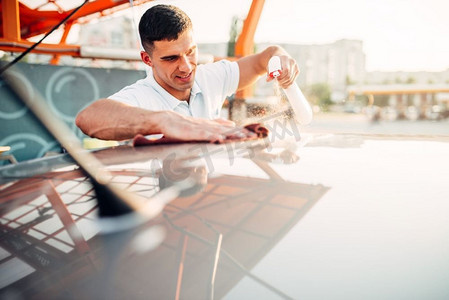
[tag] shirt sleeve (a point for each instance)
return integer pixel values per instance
(127, 95)
(232, 75)
(222, 76)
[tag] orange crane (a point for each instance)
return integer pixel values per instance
(20, 22)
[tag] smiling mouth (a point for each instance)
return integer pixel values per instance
(185, 78)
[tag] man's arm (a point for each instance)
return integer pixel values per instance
(255, 65)
(111, 120)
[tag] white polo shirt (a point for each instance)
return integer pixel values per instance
(213, 83)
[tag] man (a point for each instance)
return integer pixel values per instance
(178, 98)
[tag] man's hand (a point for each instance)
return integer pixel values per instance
(289, 72)
(253, 66)
(174, 125)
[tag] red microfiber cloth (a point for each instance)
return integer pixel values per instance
(259, 130)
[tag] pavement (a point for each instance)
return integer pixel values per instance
(360, 123)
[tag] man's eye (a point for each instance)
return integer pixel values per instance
(171, 58)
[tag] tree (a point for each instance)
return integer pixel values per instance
(348, 80)
(411, 80)
(236, 28)
(320, 93)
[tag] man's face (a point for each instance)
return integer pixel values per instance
(174, 64)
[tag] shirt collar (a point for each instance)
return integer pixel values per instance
(171, 101)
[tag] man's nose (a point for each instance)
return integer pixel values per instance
(185, 65)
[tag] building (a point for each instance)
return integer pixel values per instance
(399, 77)
(336, 64)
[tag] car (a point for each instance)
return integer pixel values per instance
(316, 217)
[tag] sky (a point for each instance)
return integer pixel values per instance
(398, 35)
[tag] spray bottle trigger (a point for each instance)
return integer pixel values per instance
(274, 67)
(275, 73)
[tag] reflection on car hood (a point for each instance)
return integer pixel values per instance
(330, 216)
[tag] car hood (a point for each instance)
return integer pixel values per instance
(328, 216)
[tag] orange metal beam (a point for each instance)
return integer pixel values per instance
(31, 22)
(67, 27)
(245, 43)
(21, 46)
(20, 22)
(11, 20)
(97, 6)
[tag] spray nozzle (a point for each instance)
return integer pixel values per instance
(274, 67)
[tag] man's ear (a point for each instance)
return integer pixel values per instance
(146, 58)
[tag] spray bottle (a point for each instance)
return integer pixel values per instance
(298, 102)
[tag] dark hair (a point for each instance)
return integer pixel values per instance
(162, 22)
